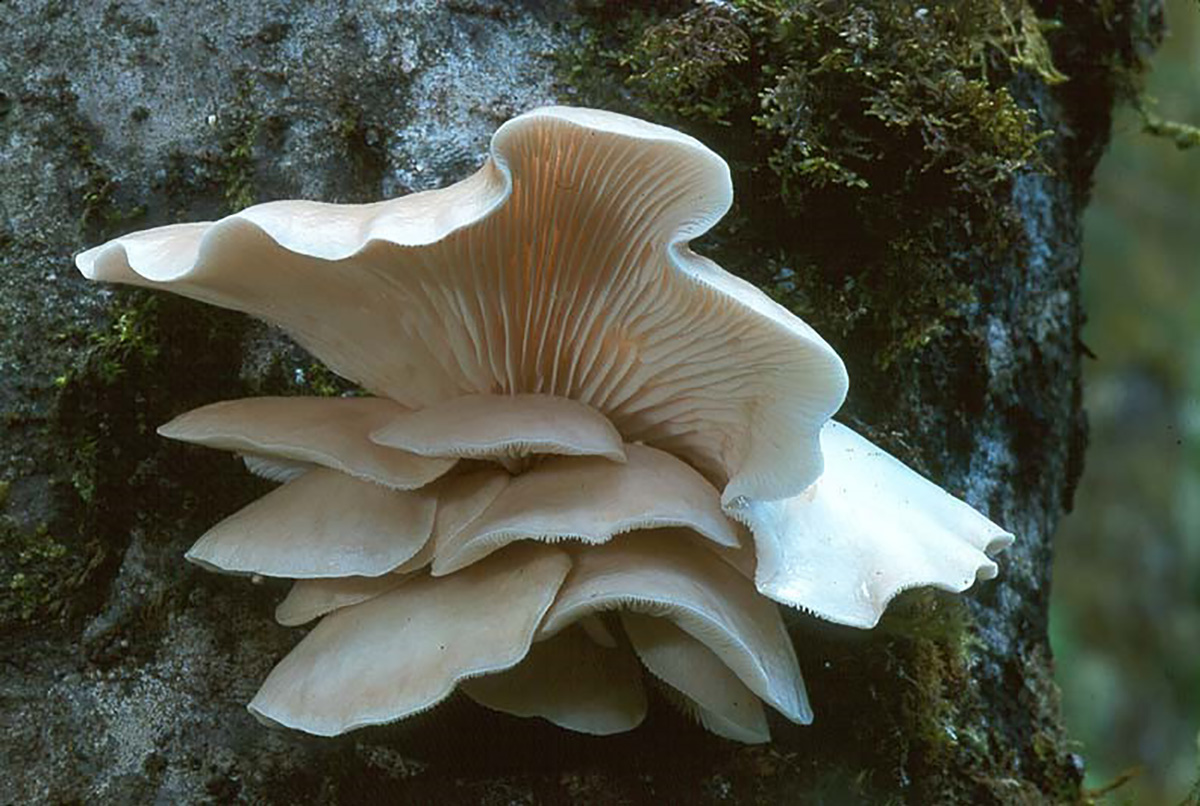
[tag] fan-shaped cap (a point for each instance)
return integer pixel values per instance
(328, 431)
(570, 681)
(312, 598)
(323, 524)
(869, 528)
(486, 426)
(663, 574)
(722, 702)
(403, 652)
(591, 499)
(560, 268)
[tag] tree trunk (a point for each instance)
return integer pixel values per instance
(909, 212)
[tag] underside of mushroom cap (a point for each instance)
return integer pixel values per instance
(868, 529)
(591, 499)
(403, 652)
(560, 268)
(491, 426)
(312, 598)
(660, 573)
(329, 431)
(722, 702)
(322, 524)
(569, 681)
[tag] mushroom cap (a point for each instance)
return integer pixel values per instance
(328, 431)
(665, 574)
(322, 524)
(722, 702)
(312, 598)
(561, 267)
(486, 426)
(869, 528)
(571, 682)
(591, 499)
(404, 651)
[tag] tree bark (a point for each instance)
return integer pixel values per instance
(126, 671)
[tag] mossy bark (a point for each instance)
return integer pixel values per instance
(910, 180)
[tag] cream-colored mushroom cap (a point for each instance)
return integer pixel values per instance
(549, 361)
(402, 652)
(322, 524)
(869, 528)
(503, 427)
(664, 574)
(571, 681)
(591, 499)
(329, 431)
(561, 268)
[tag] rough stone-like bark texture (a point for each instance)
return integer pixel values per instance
(125, 671)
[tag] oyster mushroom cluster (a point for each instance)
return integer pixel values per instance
(589, 453)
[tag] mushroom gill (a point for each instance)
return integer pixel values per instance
(572, 413)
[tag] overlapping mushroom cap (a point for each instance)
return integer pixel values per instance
(550, 364)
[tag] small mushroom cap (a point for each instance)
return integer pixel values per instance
(463, 497)
(869, 528)
(723, 703)
(661, 573)
(312, 598)
(560, 268)
(404, 651)
(485, 426)
(591, 499)
(328, 431)
(571, 682)
(323, 524)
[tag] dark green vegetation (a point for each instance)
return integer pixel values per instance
(851, 130)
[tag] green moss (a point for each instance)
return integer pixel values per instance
(117, 395)
(317, 379)
(37, 568)
(850, 128)
(159, 356)
(682, 64)
(242, 127)
(1184, 135)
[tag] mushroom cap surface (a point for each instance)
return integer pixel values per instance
(868, 529)
(333, 432)
(667, 575)
(404, 651)
(561, 267)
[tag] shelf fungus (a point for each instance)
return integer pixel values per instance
(591, 458)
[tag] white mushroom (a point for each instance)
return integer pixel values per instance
(721, 702)
(312, 598)
(867, 529)
(570, 681)
(560, 268)
(282, 436)
(550, 361)
(591, 499)
(503, 427)
(404, 651)
(660, 574)
(322, 524)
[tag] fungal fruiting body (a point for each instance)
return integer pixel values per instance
(589, 451)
